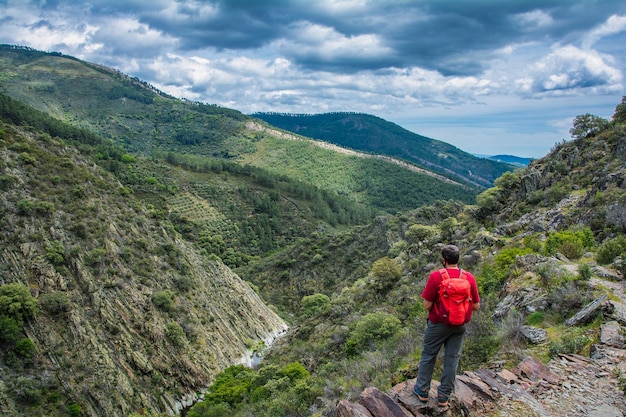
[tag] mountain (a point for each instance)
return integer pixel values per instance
(509, 159)
(105, 309)
(372, 134)
(148, 122)
(138, 271)
(545, 243)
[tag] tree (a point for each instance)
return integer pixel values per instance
(371, 328)
(315, 304)
(16, 302)
(588, 125)
(620, 112)
(386, 273)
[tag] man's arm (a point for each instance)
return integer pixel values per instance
(427, 304)
(476, 306)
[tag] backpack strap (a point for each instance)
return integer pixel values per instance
(444, 273)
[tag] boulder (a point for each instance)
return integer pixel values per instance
(347, 409)
(590, 311)
(534, 335)
(380, 404)
(611, 335)
(535, 371)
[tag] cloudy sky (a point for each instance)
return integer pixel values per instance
(488, 76)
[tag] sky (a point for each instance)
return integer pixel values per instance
(488, 76)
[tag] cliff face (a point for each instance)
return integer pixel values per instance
(131, 317)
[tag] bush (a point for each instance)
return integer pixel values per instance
(535, 318)
(10, 330)
(610, 249)
(584, 272)
(313, 305)
(17, 303)
(482, 342)
(230, 386)
(56, 302)
(371, 328)
(25, 207)
(569, 243)
(55, 253)
(386, 273)
(175, 333)
(570, 342)
(27, 391)
(163, 300)
(25, 348)
(294, 371)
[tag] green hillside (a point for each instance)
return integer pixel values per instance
(137, 271)
(105, 307)
(147, 122)
(372, 134)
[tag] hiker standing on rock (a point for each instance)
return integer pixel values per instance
(450, 296)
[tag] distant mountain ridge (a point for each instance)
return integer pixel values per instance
(373, 134)
(148, 122)
(509, 159)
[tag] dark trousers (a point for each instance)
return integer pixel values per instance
(436, 335)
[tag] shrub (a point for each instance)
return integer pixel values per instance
(27, 391)
(584, 271)
(418, 233)
(56, 302)
(25, 207)
(569, 243)
(163, 300)
(175, 333)
(7, 181)
(294, 371)
(44, 207)
(74, 410)
(371, 328)
(25, 348)
(535, 318)
(10, 329)
(16, 302)
(570, 342)
(386, 273)
(230, 386)
(55, 253)
(96, 256)
(313, 305)
(482, 342)
(610, 249)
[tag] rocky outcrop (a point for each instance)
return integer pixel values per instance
(591, 310)
(147, 321)
(568, 386)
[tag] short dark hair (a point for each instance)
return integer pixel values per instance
(450, 253)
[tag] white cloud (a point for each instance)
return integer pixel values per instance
(533, 20)
(325, 43)
(572, 68)
(615, 24)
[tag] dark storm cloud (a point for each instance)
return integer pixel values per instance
(453, 37)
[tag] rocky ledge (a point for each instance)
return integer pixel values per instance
(568, 386)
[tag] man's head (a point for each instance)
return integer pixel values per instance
(450, 254)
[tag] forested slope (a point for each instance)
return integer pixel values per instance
(372, 134)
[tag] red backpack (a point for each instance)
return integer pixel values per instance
(455, 298)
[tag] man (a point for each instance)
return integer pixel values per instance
(437, 333)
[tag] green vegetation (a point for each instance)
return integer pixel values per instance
(269, 392)
(370, 329)
(106, 250)
(372, 134)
